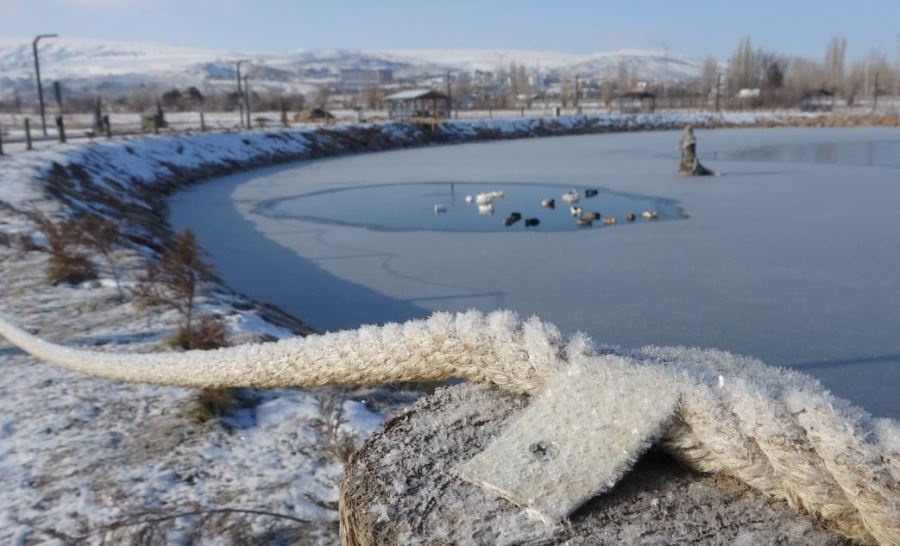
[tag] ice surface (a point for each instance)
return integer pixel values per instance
(794, 263)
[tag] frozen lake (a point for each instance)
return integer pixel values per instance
(792, 256)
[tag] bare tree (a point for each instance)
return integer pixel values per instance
(710, 75)
(741, 69)
(834, 63)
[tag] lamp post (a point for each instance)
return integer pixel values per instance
(240, 93)
(37, 70)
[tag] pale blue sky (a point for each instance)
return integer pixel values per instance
(693, 28)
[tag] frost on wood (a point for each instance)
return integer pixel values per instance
(778, 431)
(579, 436)
(400, 488)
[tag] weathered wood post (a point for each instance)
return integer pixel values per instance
(61, 129)
(28, 134)
(107, 126)
(401, 488)
(202, 123)
(284, 115)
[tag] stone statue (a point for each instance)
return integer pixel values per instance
(690, 165)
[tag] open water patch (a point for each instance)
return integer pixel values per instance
(453, 207)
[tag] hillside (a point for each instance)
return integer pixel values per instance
(85, 64)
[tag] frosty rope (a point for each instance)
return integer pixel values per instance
(777, 430)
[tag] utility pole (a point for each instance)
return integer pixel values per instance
(666, 71)
(239, 91)
(449, 97)
(247, 95)
(897, 71)
(37, 71)
(575, 100)
(718, 89)
(875, 94)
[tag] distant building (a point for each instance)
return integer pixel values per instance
(636, 102)
(748, 93)
(818, 100)
(358, 79)
(418, 103)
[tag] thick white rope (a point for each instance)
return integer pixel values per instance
(778, 431)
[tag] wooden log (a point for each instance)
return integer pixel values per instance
(401, 488)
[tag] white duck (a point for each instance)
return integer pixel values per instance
(571, 196)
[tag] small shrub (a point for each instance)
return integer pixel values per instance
(67, 263)
(211, 403)
(208, 332)
(101, 235)
(174, 280)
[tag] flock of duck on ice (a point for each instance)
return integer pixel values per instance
(485, 203)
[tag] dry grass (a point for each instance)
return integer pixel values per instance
(330, 404)
(211, 403)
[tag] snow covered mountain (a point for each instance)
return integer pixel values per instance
(119, 66)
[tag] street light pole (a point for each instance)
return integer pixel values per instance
(240, 93)
(37, 70)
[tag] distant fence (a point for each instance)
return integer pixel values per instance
(23, 131)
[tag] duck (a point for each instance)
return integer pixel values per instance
(585, 222)
(532, 222)
(649, 215)
(575, 210)
(609, 221)
(469, 199)
(590, 193)
(570, 196)
(486, 209)
(440, 208)
(549, 203)
(630, 217)
(512, 218)
(593, 216)
(484, 198)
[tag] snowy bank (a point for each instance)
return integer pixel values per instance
(86, 460)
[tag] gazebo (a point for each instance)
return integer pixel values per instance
(418, 103)
(817, 100)
(636, 102)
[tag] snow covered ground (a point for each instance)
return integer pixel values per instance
(83, 460)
